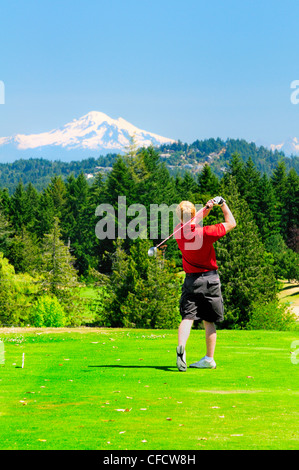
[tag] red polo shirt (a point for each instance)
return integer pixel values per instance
(196, 245)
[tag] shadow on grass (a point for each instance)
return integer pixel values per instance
(295, 293)
(293, 286)
(116, 366)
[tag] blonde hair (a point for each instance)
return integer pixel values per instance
(185, 211)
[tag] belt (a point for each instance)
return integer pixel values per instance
(207, 273)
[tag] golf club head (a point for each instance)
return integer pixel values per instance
(152, 251)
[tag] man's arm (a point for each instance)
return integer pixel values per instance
(229, 220)
(209, 206)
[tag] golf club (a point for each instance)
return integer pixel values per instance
(153, 250)
(218, 200)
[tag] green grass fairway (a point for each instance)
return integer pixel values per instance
(120, 389)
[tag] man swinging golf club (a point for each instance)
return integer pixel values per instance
(201, 297)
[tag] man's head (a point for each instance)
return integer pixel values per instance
(185, 211)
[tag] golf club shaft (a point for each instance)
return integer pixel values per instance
(200, 212)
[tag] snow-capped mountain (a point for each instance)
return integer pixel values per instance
(93, 134)
(289, 147)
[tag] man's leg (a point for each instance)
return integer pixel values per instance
(183, 335)
(184, 331)
(208, 362)
(210, 338)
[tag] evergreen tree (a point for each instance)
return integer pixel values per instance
(24, 252)
(250, 186)
(119, 183)
(186, 187)
(267, 215)
(20, 208)
(279, 180)
(143, 291)
(293, 239)
(236, 170)
(157, 190)
(280, 184)
(59, 274)
(5, 202)
(95, 198)
(208, 181)
(142, 179)
(57, 191)
(5, 232)
(8, 306)
(136, 163)
(292, 202)
(96, 192)
(159, 186)
(74, 223)
(45, 215)
(32, 200)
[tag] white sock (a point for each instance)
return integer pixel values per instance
(209, 359)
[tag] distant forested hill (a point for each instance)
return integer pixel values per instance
(217, 154)
(39, 171)
(178, 157)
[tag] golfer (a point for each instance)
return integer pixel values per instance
(201, 297)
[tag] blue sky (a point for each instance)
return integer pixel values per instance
(187, 69)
